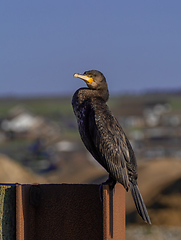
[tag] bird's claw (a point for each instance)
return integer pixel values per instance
(111, 182)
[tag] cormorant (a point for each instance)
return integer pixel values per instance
(104, 137)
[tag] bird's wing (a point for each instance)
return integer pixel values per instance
(110, 142)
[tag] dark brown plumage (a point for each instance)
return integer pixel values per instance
(103, 136)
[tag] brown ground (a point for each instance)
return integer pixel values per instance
(13, 172)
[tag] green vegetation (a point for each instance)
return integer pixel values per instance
(58, 111)
(61, 106)
(176, 103)
(47, 107)
(41, 106)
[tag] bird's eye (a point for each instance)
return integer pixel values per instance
(91, 76)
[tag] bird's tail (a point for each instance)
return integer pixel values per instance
(140, 205)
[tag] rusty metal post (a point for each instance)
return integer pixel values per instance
(19, 213)
(64, 211)
(114, 213)
(7, 212)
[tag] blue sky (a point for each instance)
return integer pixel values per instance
(136, 44)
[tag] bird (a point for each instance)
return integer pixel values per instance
(104, 137)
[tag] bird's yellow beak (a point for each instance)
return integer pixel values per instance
(87, 79)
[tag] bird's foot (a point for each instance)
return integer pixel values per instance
(111, 182)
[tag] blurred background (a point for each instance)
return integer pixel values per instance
(137, 45)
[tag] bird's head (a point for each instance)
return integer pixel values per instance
(94, 79)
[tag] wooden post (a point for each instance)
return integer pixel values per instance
(68, 211)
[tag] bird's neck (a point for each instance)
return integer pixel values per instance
(87, 93)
